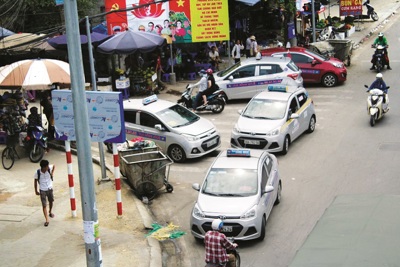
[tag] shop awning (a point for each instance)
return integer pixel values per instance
(249, 2)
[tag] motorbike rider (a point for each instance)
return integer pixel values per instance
(211, 86)
(216, 245)
(34, 119)
(379, 83)
(381, 40)
(202, 84)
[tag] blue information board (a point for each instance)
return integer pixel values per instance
(105, 114)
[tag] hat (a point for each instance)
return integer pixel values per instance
(252, 38)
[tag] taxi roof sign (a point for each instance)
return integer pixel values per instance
(245, 153)
(149, 99)
(277, 88)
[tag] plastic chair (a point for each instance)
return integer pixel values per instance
(191, 76)
(165, 77)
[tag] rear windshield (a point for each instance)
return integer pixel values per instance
(292, 66)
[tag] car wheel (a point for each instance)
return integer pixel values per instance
(176, 153)
(262, 234)
(286, 144)
(279, 194)
(311, 125)
(329, 80)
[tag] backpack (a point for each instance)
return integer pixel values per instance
(38, 174)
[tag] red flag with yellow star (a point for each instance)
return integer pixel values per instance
(180, 6)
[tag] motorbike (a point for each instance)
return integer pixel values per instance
(216, 101)
(371, 14)
(375, 106)
(380, 57)
(35, 143)
(235, 252)
(329, 32)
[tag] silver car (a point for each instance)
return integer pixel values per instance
(273, 119)
(176, 130)
(251, 76)
(240, 188)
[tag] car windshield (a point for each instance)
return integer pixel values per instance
(317, 55)
(228, 70)
(177, 116)
(267, 109)
(231, 182)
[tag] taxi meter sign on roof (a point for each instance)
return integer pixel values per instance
(238, 153)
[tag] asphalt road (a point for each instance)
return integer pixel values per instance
(344, 155)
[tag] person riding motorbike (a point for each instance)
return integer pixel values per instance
(34, 119)
(379, 83)
(202, 84)
(216, 245)
(211, 86)
(381, 40)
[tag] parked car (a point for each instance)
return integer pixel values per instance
(241, 187)
(179, 132)
(315, 68)
(250, 76)
(274, 118)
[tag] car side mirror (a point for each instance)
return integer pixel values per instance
(240, 112)
(196, 186)
(294, 116)
(314, 62)
(230, 78)
(366, 86)
(159, 127)
(268, 189)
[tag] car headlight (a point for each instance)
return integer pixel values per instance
(337, 65)
(274, 132)
(249, 214)
(190, 137)
(236, 129)
(197, 212)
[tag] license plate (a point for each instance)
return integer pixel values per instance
(212, 142)
(251, 142)
(226, 228)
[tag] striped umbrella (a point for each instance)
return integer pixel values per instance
(35, 74)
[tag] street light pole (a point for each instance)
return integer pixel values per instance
(81, 120)
(313, 20)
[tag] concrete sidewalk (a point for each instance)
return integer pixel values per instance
(26, 242)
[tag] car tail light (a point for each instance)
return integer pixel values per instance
(293, 76)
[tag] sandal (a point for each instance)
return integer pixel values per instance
(46, 224)
(51, 215)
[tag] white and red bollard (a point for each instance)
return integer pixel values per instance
(117, 179)
(70, 177)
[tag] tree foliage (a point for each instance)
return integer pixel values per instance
(38, 16)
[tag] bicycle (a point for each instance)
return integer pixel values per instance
(9, 153)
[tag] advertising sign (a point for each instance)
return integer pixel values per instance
(350, 7)
(172, 18)
(105, 113)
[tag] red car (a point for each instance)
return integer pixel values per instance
(315, 68)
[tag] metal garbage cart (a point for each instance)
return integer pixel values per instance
(342, 49)
(147, 172)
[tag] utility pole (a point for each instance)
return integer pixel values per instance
(313, 20)
(81, 120)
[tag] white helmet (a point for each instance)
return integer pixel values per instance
(380, 34)
(379, 76)
(217, 224)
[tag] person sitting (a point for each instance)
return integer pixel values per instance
(379, 83)
(381, 40)
(214, 58)
(34, 119)
(216, 244)
(211, 86)
(202, 84)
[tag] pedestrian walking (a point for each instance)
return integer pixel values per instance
(248, 46)
(236, 51)
(44, 177)
(253, 47)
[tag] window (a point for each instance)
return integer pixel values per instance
(248, 71)
(130, 116)
(264, 177)
(293, 105)
(299, 58)
(266, 69)
(148, 120)
(302, 99)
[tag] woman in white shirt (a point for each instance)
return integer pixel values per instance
(236, 51)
